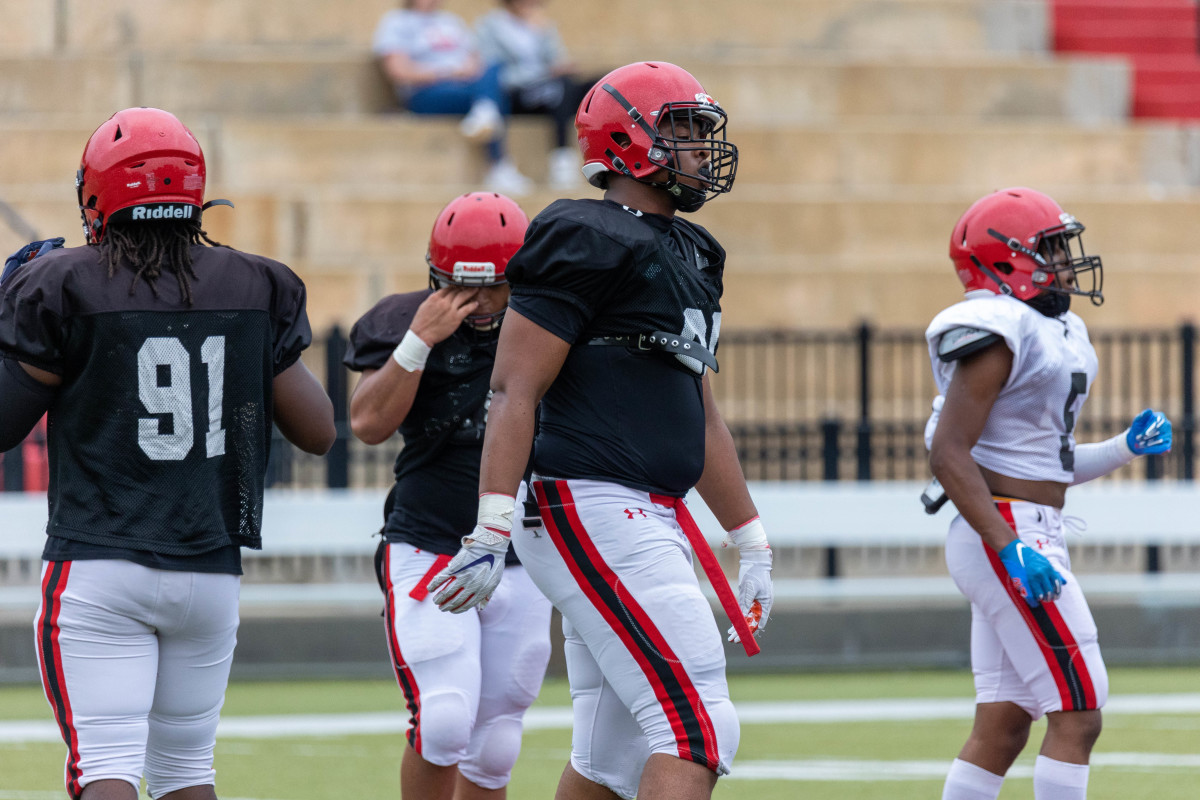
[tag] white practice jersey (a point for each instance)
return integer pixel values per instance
(1030, 432)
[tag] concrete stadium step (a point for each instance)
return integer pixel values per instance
(614, 31)
(250, 153)
(779, 88)
(813, 257)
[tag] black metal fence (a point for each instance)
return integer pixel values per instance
(816, 405)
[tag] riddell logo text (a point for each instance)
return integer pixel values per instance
(163, 212)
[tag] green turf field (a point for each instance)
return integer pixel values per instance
(1153, 755)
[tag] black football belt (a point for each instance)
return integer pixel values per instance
(662, 342)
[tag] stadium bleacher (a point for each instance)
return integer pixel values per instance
(865, 128)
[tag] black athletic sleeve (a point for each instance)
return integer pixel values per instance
(23, 401)
(31, 318)
(564, 274)
(376, 334)
(289, 318)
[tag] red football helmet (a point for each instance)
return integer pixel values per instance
(618, 128)
(142, 164)
(1007, 242)
(473, 238)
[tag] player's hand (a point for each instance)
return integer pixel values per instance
(474, 573)
(1149, 433)
(755, 592)
(1036, 577)
(440, 314)
(28, 253)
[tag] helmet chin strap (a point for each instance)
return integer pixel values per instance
(1050, 304)
(685, 198)
(1003, 287)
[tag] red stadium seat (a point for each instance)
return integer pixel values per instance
(1160, 37)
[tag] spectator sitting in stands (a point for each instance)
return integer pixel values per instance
(429, 57)
(537, 75)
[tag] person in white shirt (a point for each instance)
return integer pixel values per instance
(431, 60)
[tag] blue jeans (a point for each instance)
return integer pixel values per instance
(457, 97)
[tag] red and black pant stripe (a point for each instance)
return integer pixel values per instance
(1062, 653)
(54, 583)
(663, 669)
(404, 676)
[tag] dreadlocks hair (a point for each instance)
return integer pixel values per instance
(148, 247)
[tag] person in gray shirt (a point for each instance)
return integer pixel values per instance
(537, 75)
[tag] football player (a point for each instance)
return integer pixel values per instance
(1013, 366)
(426, 359)
(163, 359)
(613, 328)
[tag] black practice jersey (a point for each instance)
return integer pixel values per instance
(591, 269)
(437, 471)
(160, 433)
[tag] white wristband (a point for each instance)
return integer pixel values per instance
(749, 535)
(496, 511)
(412, 352)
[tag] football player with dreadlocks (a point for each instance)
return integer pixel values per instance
(1014, 365)
(612, 329)
(426, 360)
(163, 358)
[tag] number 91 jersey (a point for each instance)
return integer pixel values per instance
(159, 435)
(1030, 432)
(597, 275)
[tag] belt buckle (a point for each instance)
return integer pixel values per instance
(641, 341)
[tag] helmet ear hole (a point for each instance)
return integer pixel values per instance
(622, 140)
(1004, 267)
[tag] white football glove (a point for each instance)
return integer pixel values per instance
(474, 573)
(755, 592)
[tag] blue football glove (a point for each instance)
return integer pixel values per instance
(1149, 434)
(28, 253)
(1032, 572)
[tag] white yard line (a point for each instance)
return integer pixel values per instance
(559, 717)
(839, 769)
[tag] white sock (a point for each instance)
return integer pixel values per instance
(1058, 780)
(969, 782)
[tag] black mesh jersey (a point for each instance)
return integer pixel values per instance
(437, 471)
(593, 268)
(159, 435)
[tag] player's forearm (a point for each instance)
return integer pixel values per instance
(507, 443)
(722, 485)
(381, 401)
(967, 489)
(723, 488)
(1100, 458)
